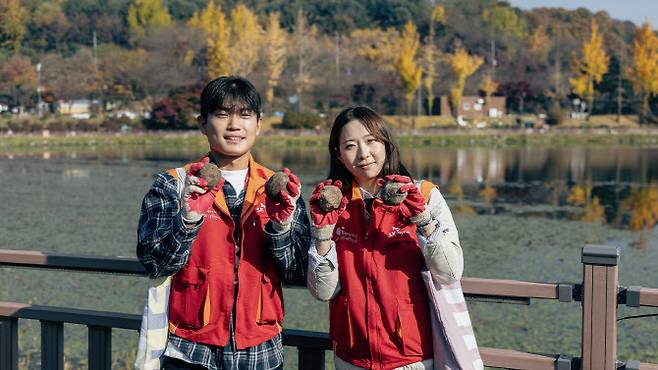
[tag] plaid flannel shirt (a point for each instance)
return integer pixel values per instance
(164, 248)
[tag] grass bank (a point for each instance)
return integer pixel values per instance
(430, 137)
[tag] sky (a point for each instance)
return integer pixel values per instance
(637, 11)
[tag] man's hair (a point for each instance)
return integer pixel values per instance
(232, 93)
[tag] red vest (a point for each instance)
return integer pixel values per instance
(202, 293)
(380, 319)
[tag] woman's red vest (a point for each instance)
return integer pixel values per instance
(380, 319)
(202, 293)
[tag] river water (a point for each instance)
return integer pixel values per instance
(522, 213)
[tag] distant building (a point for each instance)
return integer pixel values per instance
(475, 106)
(80, 109)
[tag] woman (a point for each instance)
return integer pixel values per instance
(366, 257)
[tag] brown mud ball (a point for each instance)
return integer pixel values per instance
(211, 173)
(330, 197)
(276, 183)
(391, 194)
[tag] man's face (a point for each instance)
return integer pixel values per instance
(231, 132)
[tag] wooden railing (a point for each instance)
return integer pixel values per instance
(598, 293)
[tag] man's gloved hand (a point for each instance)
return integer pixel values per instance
(197, 198)
(413, 207)
(281, 211)
(325, 222)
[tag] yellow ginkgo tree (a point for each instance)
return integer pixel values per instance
(246, 35)
(462, 65)
(430, 56)
(147, 13)
(591, 68)
(408, 70)
(644, 71)
(275, 53)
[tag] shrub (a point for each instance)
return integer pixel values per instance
(87, 125)
(57, 125)
(555, 115)
(178, 110)
(300, 120)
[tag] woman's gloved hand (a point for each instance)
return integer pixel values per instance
(413, 207)
(324, 222)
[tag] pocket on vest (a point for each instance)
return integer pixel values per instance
(270, 305)
(190, 298)
(412, 328)
(340, 328)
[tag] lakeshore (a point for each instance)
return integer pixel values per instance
(444, 137)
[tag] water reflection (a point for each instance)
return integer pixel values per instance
(611, 185)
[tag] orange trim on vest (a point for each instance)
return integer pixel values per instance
(426, 188)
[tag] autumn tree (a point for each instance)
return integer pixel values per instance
(408, 70)
(275, 53)
(70, 78)
(245, 39)
(120, 71)
(147, 13)
(48, 25)
(539, 43)
(488, 86)
(218, 36)
(377, 46)
(430, 55)
(12, 24)
(591, 68)
(505, 19)
(18, 79)
(303, 38)
(462, 65)
(644, 71)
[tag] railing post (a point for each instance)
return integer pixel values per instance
(8, 343)
(310, 359)
(99, 351)
(52, 345)
(599, 340)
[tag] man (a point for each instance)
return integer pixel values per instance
(228, 247)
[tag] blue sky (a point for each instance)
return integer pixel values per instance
(637, 11)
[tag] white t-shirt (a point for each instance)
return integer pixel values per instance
(237, 179)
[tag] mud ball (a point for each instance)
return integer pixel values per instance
(276, 183)
(391, 194)
(330, 197)
(211, 173)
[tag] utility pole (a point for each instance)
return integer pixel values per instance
(39, 88)
(619, 96)
(337, 38)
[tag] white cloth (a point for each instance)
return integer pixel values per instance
(154, 332)
(237, 179)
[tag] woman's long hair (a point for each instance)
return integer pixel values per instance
(377, 127)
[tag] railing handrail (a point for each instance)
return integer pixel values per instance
(472, 287)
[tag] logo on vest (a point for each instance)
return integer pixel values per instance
(260, 208)
(395, 231)
(342, 234)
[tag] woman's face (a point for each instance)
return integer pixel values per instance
(361, 153)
